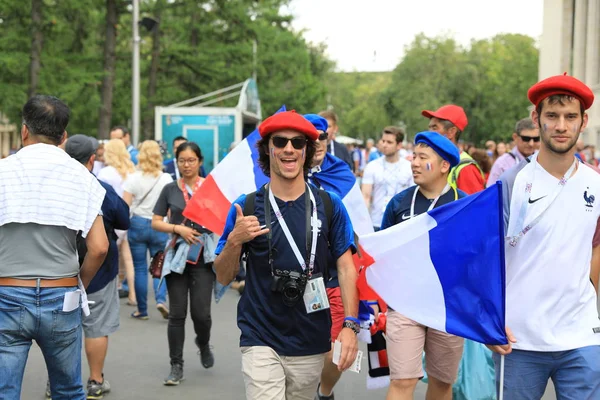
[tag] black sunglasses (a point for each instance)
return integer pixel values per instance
(527, 139)
(281, 142)
(323, 136)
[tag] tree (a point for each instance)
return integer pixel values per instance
(489, 79)
(110, 59)
(37, 38)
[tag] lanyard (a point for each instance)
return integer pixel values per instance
(433, 203)
(187, 196)
(528, 186)
(177, 174)
(311, 242)
(332, 149)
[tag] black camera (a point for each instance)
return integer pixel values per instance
(290, 284)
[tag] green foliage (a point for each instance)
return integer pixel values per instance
(489, 80)
(204, 46)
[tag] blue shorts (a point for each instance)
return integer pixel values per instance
(575, 373)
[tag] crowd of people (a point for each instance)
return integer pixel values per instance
(79, 221)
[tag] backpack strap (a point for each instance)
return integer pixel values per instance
(512, 155)
(249, 204)
(328, 205)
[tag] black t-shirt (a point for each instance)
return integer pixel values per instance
(171, 199)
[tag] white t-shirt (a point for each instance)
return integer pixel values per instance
(138, 184)
(110, 175)
(550, 301)
(388, 179)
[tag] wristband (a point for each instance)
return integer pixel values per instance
(353, 319)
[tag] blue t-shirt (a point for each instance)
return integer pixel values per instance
(115, 214)
(262, 317)
(398, 209)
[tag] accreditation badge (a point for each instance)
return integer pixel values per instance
(315, 295)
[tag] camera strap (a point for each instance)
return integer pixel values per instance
(311, 224)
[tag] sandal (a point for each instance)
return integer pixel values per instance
(164, 311)
(138, 315)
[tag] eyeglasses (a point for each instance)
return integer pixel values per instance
(190, 161)
(281, 142)
(323, 136)
(527, 139)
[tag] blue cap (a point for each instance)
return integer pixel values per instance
(318, 122)
(441, 145)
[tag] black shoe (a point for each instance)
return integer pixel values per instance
(318, 396)
(176, 375)
(123, 293)
(97, 390)
(207, 358)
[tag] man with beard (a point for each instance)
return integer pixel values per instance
(551, 218)
(286, 238)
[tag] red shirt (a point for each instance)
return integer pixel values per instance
(470, 180)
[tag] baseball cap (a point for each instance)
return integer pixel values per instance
(449, 112)
(81, 147)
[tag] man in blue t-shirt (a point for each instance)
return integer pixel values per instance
(283, 313)
(102, 290)
(434, 156)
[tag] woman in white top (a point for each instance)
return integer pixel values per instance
(142, 189)
(118, 166)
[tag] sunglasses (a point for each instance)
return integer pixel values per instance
(527, 139)
(281, 142)
(323, 136)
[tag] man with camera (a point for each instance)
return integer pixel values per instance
(284, 232)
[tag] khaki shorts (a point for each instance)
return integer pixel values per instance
(268, 375)
(406, 340)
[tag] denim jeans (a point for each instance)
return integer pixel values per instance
(575, 373)
(28, 314)
(143, 240)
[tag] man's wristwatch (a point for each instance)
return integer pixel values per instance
(355, 326)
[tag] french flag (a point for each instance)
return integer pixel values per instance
(445, 268)
(239, 173)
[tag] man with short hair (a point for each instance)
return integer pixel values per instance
(46, 198)
(434, 156)
(525, 136)
(386, 176)
(286, 235)
(333, 147)
(102, 291)
(121, 132)
(552, 255)
(324, 164)
(450, 120)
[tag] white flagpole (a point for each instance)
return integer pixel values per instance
(501, 394)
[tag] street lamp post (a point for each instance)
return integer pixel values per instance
(135, 111)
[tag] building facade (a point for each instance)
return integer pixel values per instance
(9, 139)
(570, 43)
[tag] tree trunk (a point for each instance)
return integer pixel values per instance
(110, 59)
(37, 38)
(148, 125)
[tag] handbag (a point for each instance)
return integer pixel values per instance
(158, 260)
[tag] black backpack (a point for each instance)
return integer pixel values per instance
(82, 247)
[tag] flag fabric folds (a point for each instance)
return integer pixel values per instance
(445, 268)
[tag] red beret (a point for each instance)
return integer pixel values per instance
(561, 84)
(288, 120)
(449, 112)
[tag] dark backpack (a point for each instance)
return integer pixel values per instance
(82, 247)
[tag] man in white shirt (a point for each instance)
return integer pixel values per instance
(551, 218)
(386, 176)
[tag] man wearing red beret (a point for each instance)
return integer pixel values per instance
(450, 120)
(283, 231)
(551, 223)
